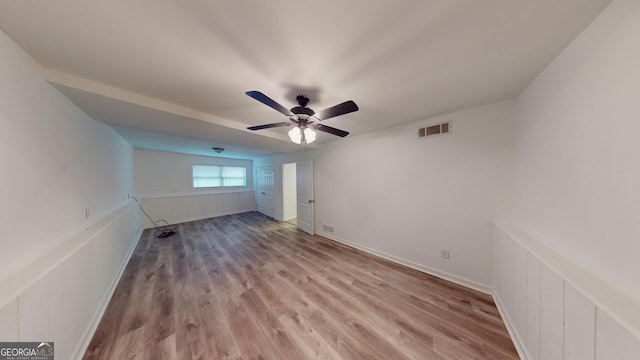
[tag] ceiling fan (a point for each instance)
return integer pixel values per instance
(304, 119)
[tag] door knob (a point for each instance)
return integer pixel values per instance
(311, 201)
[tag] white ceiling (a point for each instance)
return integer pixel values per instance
(171, 75)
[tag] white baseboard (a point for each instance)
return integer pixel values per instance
(423, 268)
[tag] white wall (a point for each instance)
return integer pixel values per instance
(406, 198)
(56, 162)
(577, 147)
(57, 267)
(163, 185)
(161, 174)
(576, 221)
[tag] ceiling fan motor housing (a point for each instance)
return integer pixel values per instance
(302, 109)
(302, 100)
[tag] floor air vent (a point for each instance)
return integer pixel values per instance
(438, 129)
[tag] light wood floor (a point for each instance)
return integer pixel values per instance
(247, 287)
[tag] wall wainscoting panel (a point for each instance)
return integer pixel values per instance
(555, 309)
(179, 209)
(62, 295)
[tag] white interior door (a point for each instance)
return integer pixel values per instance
(289, 192)
(304, 187)
(264, 187)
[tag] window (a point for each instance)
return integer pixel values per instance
(234, 176)
(205, 176)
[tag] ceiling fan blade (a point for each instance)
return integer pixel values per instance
(269, 102)
(330, 130)
(340, 109)
(267, 126)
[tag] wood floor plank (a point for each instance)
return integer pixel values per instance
(313, 344)
(247, 287)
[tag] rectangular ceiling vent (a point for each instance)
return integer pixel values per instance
(438, 129)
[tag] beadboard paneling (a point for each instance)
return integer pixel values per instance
(551, 315)
(61, 295)
(613, 341)
(179, 209)
(568, 312)
(579, 325)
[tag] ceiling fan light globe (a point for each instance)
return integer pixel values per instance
(309, 135)
(295, 135)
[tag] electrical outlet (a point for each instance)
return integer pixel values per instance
(444, 254)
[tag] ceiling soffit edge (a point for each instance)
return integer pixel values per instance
(94, 87)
